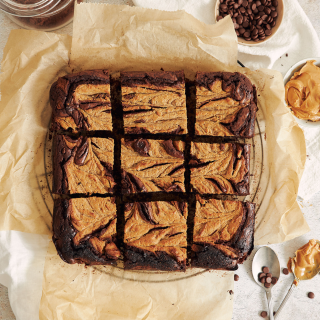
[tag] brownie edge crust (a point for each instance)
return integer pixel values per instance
(84, 230)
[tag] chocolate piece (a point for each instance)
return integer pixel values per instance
(262, 275)
(82, 165)
(226, 104)
(267, 285)
(265, 270)
(268, 279)
(81, 102)
(285, 271)
(154, 102)
(84, 230)
(263, 280)
(236, 277)
(269, 275)
(223, 233)
(274, 280)
(155, 236)
(311, 295)
(263, 314)
(220, 168)
(152, 165)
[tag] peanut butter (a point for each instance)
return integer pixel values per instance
(306, 263)
(303, 92)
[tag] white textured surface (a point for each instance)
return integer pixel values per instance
(249, 298)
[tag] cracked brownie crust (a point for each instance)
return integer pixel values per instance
(81, 102)
(223, 233)
(154, 101)
(220, 168)
(226, 104)
(152, 165)
(155, 236)
(84, 230)
(82, 165)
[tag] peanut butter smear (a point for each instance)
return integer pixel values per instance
(306, 263)
(303, 92)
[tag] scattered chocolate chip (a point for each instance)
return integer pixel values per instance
(274, 280)
(265, 270)
(262, 275)
(269, 275)
(263, 280)
(236, 277)
(264, 314)
(311, 295)
(285, 271)
(267, 285)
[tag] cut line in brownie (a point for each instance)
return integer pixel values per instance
(84, 230)
(154, 102)
(82, 165)
(81, 102)
(155, 236)
(149, 165)
(220, 168)
(226, 104)
(223, 233)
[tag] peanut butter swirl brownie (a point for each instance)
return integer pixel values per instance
(154, 101)
(220, 168)
(226, 104)
(84, 230)
(152, 165)
(81, 102)
(82, 165)
(155, 236)
(223, 233)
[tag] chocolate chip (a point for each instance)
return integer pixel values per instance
(236, 277)
(267, 285)
(242, 30)
(311, 295)
(254, 6)
(247, 34)
(263, 280)
(268, 280)
(245, 3)
(274, 280)
(269, 275)
(274, 14)
(219, 18)
(285, 271)
(275, 3)
(265, 270)
(268, 32)
(264, 314)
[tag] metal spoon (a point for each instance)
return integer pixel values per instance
(266, 257)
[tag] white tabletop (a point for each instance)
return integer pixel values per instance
(249, 298)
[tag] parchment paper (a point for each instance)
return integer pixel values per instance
(124, 38)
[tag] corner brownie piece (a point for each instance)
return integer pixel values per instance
(155, 236)
(152, 165)
(84, 230)
(81, 102)
(223, 233)
(220, 168)
(82, 165)
(154, 102)
(226, 104)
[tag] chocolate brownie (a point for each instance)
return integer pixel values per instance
(81, 102)
(82, 165)
(226, 104)
(155, 236)
(223, 233)
(84, 230)
(154, 101)
(152, 165)
(220, 168)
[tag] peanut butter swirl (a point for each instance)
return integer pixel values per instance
(303, 92)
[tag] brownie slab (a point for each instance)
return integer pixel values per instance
(155, 236)
(220, 168)
(223, 233)
(226, 104)
(84, 230)
(82, 165)
(152, 165)
(154, 101)
(81, 102)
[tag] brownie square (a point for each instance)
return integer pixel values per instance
(84, 230)
(226, 104)
(155, 236)
(81, 102)
(152, 165)
(220, 168)
(82, 165)
(154, 102)
(223, 233)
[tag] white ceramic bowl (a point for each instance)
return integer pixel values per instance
(295, 68)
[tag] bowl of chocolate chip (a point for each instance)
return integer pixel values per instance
(255, 21)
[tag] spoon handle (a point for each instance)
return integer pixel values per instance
(270, 304)
(293, 286)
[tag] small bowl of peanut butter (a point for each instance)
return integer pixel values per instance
(302, 91)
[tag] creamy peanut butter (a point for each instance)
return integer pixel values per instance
(306, 263)
(303, 92)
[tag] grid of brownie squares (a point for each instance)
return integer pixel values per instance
(155, 232)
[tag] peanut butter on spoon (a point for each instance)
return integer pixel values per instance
(303, 92)
(306, 264)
